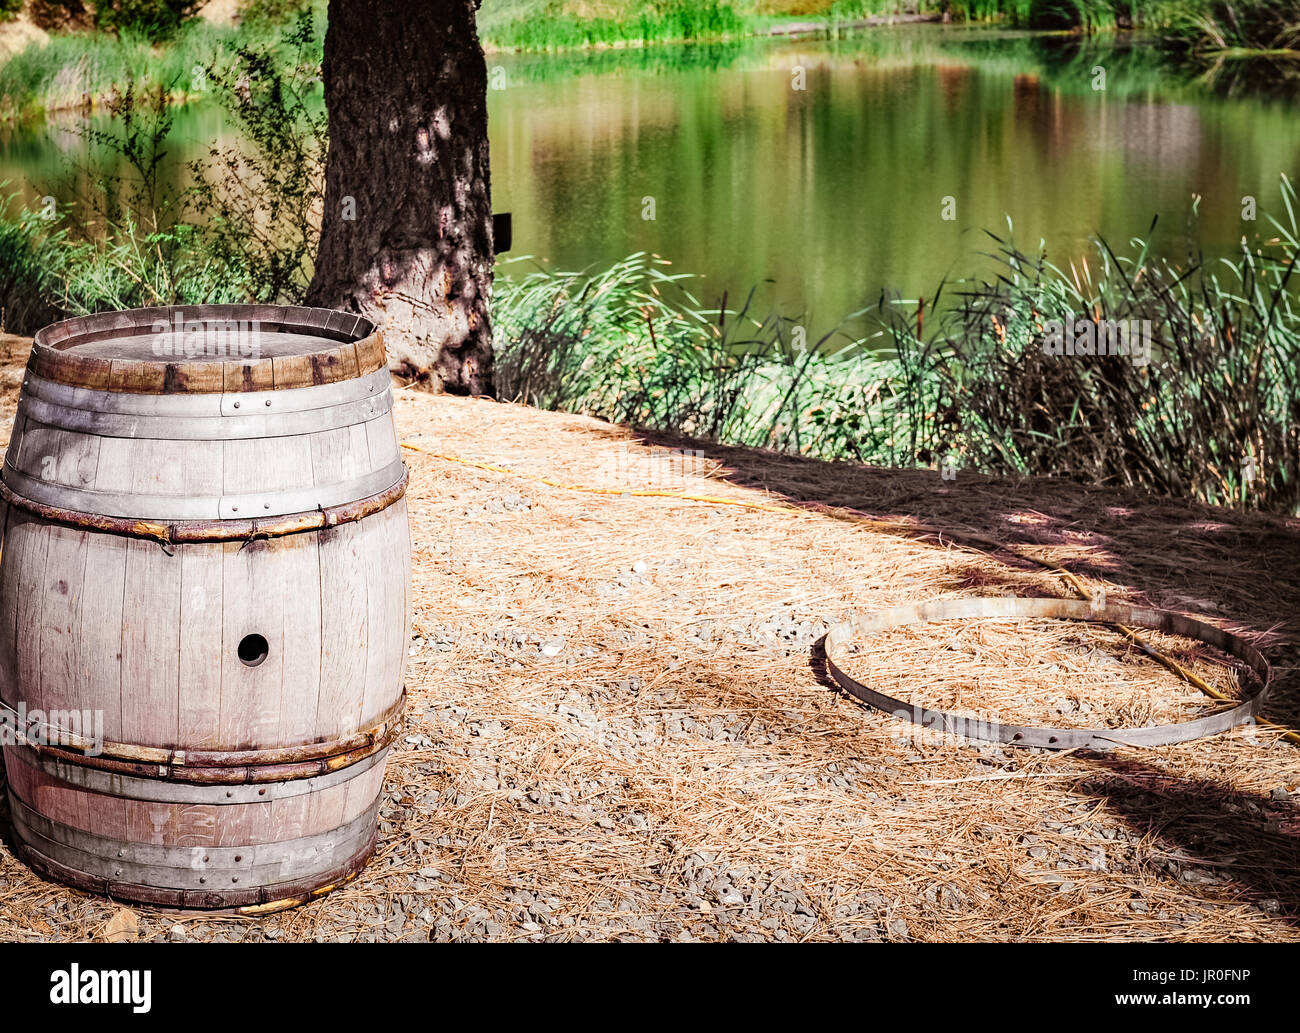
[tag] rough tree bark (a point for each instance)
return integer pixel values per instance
(406, 238)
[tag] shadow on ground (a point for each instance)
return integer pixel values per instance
(1216, 842)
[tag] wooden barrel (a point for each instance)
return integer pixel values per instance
(204, 603)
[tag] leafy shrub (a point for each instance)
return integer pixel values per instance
(271, 13)
(31, 263)
(60, 15)
(153, 19)
(260, 204)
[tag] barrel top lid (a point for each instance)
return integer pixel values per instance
(207, 348)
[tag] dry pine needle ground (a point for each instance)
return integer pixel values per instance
(617, 727)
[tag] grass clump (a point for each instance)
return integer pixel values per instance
(1197, 25)
(31, 263)
(1227, 25)
(84, 70)
(1213, 415)
(551, 25)
(633, 344)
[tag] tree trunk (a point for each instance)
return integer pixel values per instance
(406, 238)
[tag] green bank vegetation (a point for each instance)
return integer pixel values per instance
(1264, 25)
(542, 25)
(86, 68)
(1209, 25)
(157, 45)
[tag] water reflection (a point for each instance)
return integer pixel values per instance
(831, 193)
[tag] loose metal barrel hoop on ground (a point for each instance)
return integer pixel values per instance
(861, 626)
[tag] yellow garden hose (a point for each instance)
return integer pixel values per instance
(651, 492)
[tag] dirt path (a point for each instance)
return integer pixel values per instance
(617, 729)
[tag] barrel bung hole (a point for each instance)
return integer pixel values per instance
(252, 650)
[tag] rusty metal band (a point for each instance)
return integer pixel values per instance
(290, 318)
(155, 790)
(224, 767)
(865, 625)
(260, 774)
(178, 532)
(260, 878)
(350, 346)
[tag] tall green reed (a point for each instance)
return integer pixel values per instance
(1214, 415)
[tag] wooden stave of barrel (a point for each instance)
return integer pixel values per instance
(221, 783)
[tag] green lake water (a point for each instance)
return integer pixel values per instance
(824, 196)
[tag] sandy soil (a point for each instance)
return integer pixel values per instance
(17, 34)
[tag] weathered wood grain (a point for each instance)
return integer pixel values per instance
(151, 645)
(346, 573)
(202, 607)
(60, 632)
(32, 554)
(297, 562)
(99, 641)
(386, 614)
